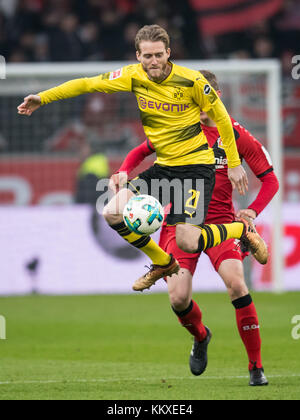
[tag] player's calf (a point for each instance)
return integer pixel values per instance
(180, 288)
(232, 273)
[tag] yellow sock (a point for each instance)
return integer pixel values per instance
(156, 253)
(213, 235)
(234, 230)
(147, 245)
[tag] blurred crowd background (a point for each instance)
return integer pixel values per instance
(108, 126)
(76, 30)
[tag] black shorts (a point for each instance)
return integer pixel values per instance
(188, 188)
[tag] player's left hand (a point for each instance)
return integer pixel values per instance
(238, 179)
(246, 212)
(117, 181)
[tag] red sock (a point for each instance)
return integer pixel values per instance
(248, 326)
(191, 319)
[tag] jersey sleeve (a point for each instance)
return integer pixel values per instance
(204, 94)
(208, 100)
(269, 188)
(115, 81)
(254, 153)
(259, 161)
(136, 156)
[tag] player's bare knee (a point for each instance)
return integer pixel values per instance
(185, 245)
(237, 288)
(179, 302)
(185, 238)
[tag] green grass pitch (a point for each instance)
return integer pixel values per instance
(132, 347)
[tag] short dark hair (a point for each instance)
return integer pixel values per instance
(153, 33)
(211, 78)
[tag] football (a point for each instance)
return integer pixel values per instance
(143, 215)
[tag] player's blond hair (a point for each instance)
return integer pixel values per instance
(153, 33)
(211, 78)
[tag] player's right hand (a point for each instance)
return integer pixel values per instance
(117, 181)
(246, 212)
(31, 103)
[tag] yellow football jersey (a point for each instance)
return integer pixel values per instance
(170, 111)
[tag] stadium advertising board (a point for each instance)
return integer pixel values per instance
(40, 181)
(69, 250)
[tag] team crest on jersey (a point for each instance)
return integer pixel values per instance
(115, 74)
(179, 93)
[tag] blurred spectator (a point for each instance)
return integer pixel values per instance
(64, 41)
(90, 38)
(41, 49)
(8, 7)
(130, 32)
(111, 36)
(288, 25)
(4, 50)
(287, 64)
(263, 48)
(17, 56)
(290, 17)
(240, 55)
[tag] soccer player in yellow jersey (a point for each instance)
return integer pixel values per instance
(170, 98)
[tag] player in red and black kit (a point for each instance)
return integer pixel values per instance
(228, 256)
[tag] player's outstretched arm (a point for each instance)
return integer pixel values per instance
(119, 81)
(31, 103)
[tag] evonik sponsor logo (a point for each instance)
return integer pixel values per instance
(160, 106)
